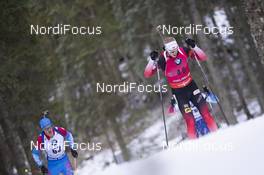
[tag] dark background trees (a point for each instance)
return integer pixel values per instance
(60, 73)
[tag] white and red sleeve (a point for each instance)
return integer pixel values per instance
(150, 69)
(199, 53)
(68, 137)
(62, 131)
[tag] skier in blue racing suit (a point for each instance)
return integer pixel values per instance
(53, 140)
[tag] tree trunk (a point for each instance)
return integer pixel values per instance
(218, 83)
(26, 133)
(6, 156)
(14, 143)
(120, 140)
(254, 10)
(245, 54)
(233, 78)
(109, 142)
(108, 67)
(236, 85)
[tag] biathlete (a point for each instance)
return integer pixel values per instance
(173, 61)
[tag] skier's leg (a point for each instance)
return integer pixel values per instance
(67, 168)
(186, 111)
(190, 123)
(53, 167)
(198, 100)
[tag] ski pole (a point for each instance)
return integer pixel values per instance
(160, 93)
(209, 87)
(162, 106)
(74, 164)
(158, 29)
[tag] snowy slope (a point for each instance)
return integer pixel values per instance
(236, 150)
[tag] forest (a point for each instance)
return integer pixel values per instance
(61, 72)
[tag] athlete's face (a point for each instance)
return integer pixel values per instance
(172, 48)
(49, 131)
(173, 52)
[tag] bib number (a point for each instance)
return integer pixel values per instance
(55, 147)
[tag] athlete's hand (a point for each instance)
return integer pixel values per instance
(43, 169)
(190, 42)
(173, 101)
(206, 90)
(154, 55)
(74, 153)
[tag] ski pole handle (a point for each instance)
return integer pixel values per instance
(158, 29)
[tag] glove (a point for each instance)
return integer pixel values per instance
(43, 169)
(172, 109)
(206, 90)
(190, 42)
(74, 153)
(154, 55)
(173, 101)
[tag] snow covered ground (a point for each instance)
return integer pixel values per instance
(236, 150)
(153, 138)
(148, 142)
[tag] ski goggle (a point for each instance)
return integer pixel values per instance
(172, 47)
(48, 128)
(173, 52)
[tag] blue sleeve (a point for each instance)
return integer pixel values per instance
(36, 157)
(69, 140)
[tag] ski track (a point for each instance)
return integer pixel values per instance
(233, 150)
(152, 140)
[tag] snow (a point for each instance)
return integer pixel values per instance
(222, 23)
(233, 150)
(96, 163)
(254, 109)
(152, 139)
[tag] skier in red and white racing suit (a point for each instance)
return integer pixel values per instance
(174, 63)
